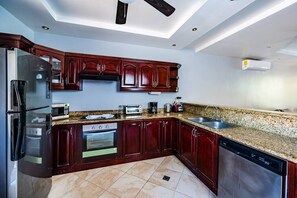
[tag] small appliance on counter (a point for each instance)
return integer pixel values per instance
(167, 108)
(153, 107)
(60, 111)
(132, 109)
(177, 105)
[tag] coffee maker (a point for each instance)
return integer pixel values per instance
(153, 107)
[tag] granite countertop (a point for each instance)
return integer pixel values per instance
(274, 144)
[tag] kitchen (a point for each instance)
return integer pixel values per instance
(204, 78)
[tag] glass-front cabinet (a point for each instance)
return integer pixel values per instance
(56, 58)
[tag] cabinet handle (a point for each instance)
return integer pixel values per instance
(193, 131)
(99, 67)
(103, 67)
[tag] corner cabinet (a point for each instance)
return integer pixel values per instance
(64, 141)
(199, 151)
(56, 58)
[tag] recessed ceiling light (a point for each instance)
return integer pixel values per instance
(194, 29)
(45, 27)
(173, 45)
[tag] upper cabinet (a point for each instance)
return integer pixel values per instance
(56, 58)
(100, 65)
(16, 41)
(72, 70)
(149, 76)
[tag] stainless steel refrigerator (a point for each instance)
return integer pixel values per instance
(25, 125)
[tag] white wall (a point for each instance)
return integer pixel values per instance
(204, 79)
(10, 24)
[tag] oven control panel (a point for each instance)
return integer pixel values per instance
(100, 127)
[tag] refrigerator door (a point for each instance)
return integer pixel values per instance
(29, 125)
(37, 73)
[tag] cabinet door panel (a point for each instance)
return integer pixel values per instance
(72, 69)
(129, 75)
(152, 136)
(146, 75)
(132, 139)
(90, 65)
(64, 143)
(188, 144)
(176, 135)
(207, 148)
(167, 135)
(162, 76)
(110, 66)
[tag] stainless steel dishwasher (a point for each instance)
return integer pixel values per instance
(247, 173)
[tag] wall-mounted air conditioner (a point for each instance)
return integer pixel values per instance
(248, 64)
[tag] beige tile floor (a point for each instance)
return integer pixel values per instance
(142, 179)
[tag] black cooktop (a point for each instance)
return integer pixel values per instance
(101, 117)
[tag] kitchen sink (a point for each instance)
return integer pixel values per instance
(212, 123)
(218, 124)
(200, 119)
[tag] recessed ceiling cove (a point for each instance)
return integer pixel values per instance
(142, 18)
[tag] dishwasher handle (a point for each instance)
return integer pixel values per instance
(274, 164)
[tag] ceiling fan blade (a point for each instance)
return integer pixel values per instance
(122, 11)
(162, 6)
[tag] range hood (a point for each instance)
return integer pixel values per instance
(94, 76)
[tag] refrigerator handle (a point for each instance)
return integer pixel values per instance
(18, 134)
(18, 123)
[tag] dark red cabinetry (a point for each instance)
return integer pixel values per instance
(129, 77)
(64, 142)
(97, 64)
(72, 69)
(132, 139)
(152, 130)
(199, 151)
(56, 59)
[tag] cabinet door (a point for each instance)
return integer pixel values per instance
(63, 146)
(207, 155)
(72, 69)
(110, 66)
(162, 77)
(152, 136)
(90, 65)
(132, 138)
(188, 144)
(146, 76)
(56, 58)
(129, 75)
(176, 135)
(167, 135)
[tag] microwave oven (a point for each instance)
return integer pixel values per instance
(60, 111)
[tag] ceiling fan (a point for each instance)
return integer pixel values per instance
(160, 5)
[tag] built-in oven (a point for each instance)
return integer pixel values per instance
(99, 140)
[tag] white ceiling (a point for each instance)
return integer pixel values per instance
(238, 28)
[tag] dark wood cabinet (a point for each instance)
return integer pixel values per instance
(199, 151)
(72, 69)
(207, 157)
(16, 41)
(64, 141)
(167, 135)
(176, 145)
(292, 180)
(152, 130)
(146, 76)
(132, 139)
(162, 77)
(129, 78)
(97, 64)
(56, 59)
(188, 144)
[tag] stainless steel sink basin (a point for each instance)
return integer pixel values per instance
(200, 119)
(218, 124)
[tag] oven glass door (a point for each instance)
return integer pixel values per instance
(99, 143)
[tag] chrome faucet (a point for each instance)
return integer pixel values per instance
(215, 114)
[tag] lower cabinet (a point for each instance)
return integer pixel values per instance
(199, 151)
(147, 137)
(64, 141)
(132, 139)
